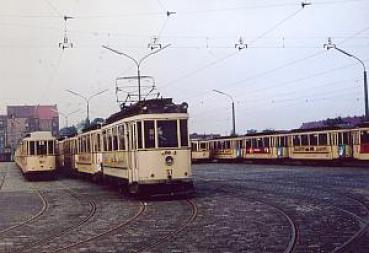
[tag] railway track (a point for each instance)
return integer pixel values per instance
(45, 206)
(194, 214)
(351, 242)
(105, 233)
(29, 247)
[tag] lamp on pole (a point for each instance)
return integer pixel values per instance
(66, 115)
(137, 62)
(331, 45)
(233, 113)
(87, 100)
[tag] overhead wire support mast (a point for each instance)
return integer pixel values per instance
(137, 62)
(233, 133)
(87, 100)
(331, 45)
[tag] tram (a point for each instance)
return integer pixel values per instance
(146, 146)
(35, 154)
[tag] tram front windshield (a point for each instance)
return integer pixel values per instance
(167, 133)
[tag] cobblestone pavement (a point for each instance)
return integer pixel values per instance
(236, 208)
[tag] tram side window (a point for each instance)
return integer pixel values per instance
(266, 142)
(364, 137)
(248, 144)
(193, 146)
(254, 143)
(32, 148)
(313, 139)
(323, 139)
(110, 139)
(203, 146)
(227, 145)
(105, 146)
(139, 134)
(41, 148)
(296, 140)
(88, 143)
(50, 145)
(149, 131)
(259, 142)
(304, 140)
(167, 133)
(122, 144)
(184, 132)
(115, 138)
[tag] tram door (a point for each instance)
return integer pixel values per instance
(132, 153)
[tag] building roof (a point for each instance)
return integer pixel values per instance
(35, 111)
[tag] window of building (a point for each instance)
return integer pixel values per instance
(167, 133)
(149, 130)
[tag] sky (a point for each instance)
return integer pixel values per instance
(284, 76)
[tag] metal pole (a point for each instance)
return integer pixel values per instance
(366, 95)
(233, 120)
(139, 82)
(88, 112)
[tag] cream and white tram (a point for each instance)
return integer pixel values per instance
(88, 158)
(35, 154)
(200, 150)
(146, 145)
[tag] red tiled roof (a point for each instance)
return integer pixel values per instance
(46, 111)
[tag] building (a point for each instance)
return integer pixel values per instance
(25, 119)
(4, 152)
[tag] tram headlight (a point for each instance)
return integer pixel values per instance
(169, 160)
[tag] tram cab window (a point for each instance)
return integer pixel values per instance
(304, 140)
(32, 148)
(364, 137)
(184, 132)
(167, 133)
(323, 139)
(115, 138)
(50, 146)
(139, 134)
(122, 144)
(149, 132)
(296, 140)
(313, 138)
(41, 148)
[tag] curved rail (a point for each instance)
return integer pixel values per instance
(52, 237)
(365, 223)
(45, 207)
(110, 231)
(193, 216)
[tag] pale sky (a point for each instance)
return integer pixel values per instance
(284, 77)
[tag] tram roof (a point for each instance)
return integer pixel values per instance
(152, 106)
